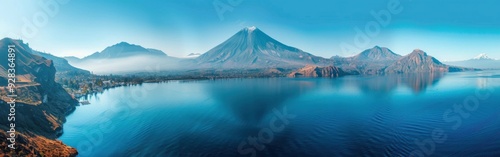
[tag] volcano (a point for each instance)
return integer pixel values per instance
(252, 48)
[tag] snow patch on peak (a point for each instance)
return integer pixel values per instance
(251, 28)
(482, 56)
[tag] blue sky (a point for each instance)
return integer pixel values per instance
(446, 29)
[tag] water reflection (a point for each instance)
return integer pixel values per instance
(253, 99)
(482, 83)
(419, 82)
(384, 85)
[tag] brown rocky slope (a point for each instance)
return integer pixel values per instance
(41, 105)
(315, 71)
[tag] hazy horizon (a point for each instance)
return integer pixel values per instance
(447, 30)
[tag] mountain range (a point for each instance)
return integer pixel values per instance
(251, 48)
(379, 60)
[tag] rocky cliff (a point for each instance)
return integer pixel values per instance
(315, 71)
(41, 105)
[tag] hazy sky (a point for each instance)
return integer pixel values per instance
(446, 29)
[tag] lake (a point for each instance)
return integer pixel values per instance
(453, 114)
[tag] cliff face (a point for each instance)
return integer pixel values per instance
(41, 105)
(315, 71)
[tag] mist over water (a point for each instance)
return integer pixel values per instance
(134, 64)
(347, 116)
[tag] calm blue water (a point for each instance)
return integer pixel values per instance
(455, 114)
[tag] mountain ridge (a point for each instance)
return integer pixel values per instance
(62, 65)
(124, 49)
(376, 54)
(368, 62)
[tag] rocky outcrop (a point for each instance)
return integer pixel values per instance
(419, 61)
(41, 105)
(315, 71)
(34, 146)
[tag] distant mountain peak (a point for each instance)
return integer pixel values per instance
(482, 61)
(482, 56)
(252, 31)
(123, 43)
(377, 53)
(126, 44)
(336, 56)
(193, 55)
(124, 49)
(418, 52)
